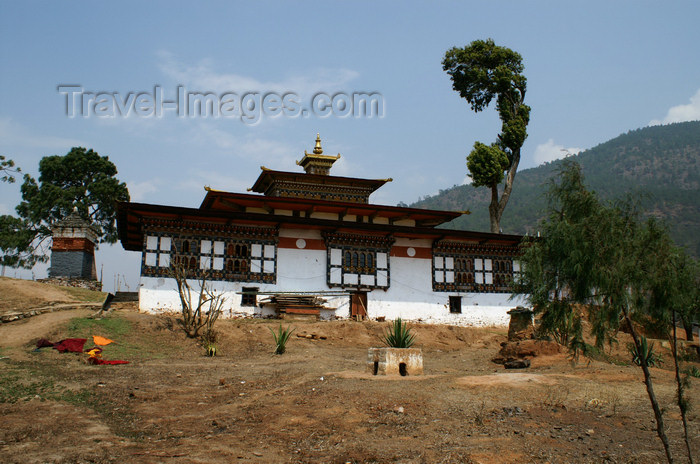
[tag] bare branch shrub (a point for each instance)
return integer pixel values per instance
(200, 308)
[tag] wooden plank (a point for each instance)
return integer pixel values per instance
(302, 311)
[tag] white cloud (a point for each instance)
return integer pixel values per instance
(549, 151)
(245, 147)
(202, 77)
(138, 191)
(681, 113)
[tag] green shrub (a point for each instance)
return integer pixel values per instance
(646, 352)
(211, 350)
(281, 338)
(398, 335)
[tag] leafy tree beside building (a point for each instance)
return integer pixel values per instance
(81, 180)
(481, 72)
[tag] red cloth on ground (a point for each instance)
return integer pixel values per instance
(104, 361)
(44, 343)
(74, 345)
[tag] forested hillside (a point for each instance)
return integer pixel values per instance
(658, 165)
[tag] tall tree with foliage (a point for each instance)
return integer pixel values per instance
(481, 72)
(673, 296)
(16, 237)
(8, 170)
(81, 180)
(13, 235)
(606, 257)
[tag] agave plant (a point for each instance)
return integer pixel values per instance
(398, 335)
(281, 338)
(646, 352)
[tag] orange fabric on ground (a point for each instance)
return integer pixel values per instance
(95, 352)
(101, 340)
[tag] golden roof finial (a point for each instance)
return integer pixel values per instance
(317, 149)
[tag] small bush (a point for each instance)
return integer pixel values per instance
(208, 340)
(281, 338)
(399, 335)
(646, 352)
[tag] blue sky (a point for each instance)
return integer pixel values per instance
(595, 69)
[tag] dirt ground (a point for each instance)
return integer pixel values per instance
(316, 403)
(21, 295)
(16, 293)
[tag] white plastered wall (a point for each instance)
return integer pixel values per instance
(409, 296)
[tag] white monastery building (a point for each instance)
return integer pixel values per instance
(311, 243)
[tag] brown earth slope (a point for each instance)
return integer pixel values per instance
(316, 403)
(20, 295)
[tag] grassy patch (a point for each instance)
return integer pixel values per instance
(83, 294)
(110, 327)
(127, 344)
(14, 387)
(21, 382)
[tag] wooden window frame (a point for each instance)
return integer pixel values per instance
(187, 249)
(474, 270)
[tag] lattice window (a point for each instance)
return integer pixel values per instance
(211, 255)
(219, 257)
(263, 259)
(354, 267)
(358, 261)
(158, 250)
(470, 269)
(517, 270)
(444, 269)
(186, 252)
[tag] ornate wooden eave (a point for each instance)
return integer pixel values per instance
(381, 241)
(228, 201)
(316, 186)
(131, 218)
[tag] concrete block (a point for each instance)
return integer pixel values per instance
(395, 361)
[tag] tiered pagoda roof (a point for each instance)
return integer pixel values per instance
(310, 200)
(316, 182)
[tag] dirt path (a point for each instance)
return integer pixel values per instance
(19, 333)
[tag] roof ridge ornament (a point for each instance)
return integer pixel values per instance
(317, 149)
(316, 162)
